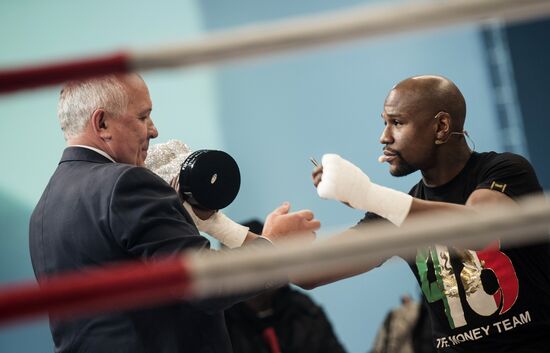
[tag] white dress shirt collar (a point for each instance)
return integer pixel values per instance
(103, 153)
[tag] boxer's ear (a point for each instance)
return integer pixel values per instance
(442, 127)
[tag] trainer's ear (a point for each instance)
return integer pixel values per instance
(100, 125)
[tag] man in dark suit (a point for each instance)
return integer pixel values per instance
(101, 206)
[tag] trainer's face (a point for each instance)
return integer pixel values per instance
(131, 131)
(408, 135)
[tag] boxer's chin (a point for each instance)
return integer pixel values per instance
(399, 169)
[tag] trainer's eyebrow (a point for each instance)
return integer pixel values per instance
(146, 111)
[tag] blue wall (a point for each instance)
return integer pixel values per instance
(270, 114)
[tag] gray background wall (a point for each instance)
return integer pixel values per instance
(270, 114)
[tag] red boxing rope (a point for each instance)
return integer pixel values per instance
(114, 287)
(31, 77)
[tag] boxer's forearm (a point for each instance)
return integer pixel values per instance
(419, 206)
(479, 198)
(322, 277)
(219, 226)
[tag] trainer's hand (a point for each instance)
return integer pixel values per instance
(194, 212)
(175, 183)
(204, 214)
(280, 224)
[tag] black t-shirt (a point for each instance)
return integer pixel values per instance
(492, 300)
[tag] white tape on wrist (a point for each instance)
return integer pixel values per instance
(221, 227)
(388, 203)
(344, 181)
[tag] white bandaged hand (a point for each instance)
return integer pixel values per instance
(343, 181)
(221, 227)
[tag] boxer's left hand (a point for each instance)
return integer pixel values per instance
(342, 180)
(317, 175)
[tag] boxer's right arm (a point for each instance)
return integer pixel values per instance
(221, 227)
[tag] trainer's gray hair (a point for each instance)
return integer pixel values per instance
(79, 99)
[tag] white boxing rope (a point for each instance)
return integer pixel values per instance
(301, 33)
(359, 249)
(356, 23)
(193, 276)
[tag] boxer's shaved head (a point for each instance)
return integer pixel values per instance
(431, 95)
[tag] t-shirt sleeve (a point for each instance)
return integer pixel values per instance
(147, 219)
(510, 174)
(369, 218)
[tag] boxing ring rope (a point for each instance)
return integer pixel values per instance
(353, 24)
(197, 276)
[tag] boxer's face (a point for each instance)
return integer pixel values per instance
(132, 130)
(408, 135)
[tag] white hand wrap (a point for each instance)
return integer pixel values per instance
(221, 227)
(345, 182)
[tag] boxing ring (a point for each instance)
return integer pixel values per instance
(201, 276)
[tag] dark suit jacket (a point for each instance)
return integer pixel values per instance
(95, 212)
